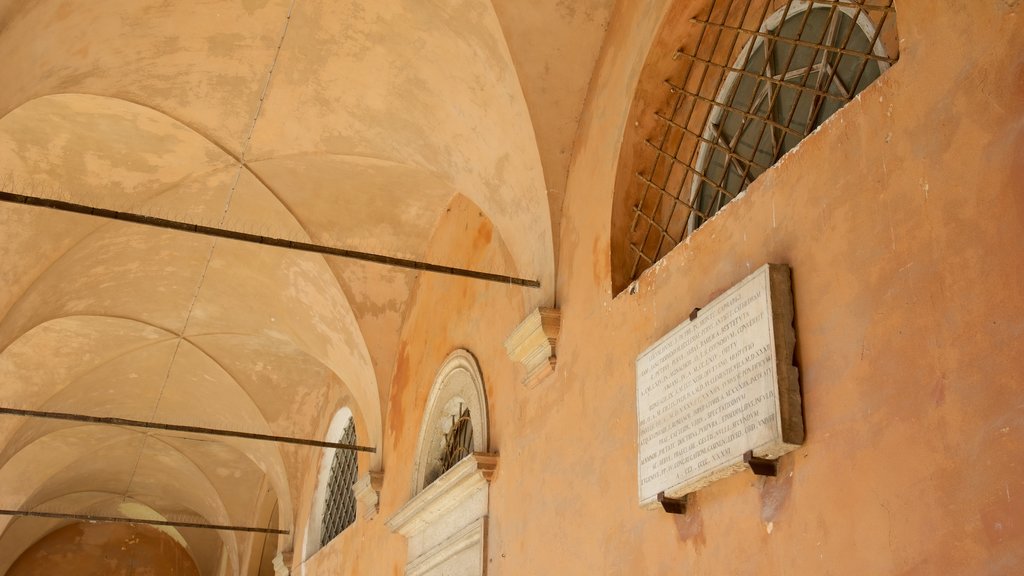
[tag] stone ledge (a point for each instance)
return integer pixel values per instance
(532, 344)
(367, 492)
(444, 494)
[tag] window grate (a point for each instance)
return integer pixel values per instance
(761, 76)
(340, 506)
(458, 441)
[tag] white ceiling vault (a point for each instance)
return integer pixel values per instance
(354, 124)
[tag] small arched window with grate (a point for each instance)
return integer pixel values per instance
(340, 501)
(455, 419)
(753, 79)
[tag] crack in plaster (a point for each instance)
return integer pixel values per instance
(213, 246)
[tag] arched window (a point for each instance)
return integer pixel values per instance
(806, 61)
(334, 501)
(340, 501)
(455, 421)
(750, 82)
(445, 521)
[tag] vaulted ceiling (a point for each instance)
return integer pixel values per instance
(355, 124)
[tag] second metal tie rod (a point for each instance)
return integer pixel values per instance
(178, 428)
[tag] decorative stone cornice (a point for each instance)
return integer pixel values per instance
(533, 342)
(444, 494)
(367, 492)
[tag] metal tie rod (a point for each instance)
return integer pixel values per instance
(120, 520)
(179, 428)
(134, 218)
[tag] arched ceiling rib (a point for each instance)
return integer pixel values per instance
(203, 61)
(94, 375)
(375, 79)
(178, 261)
(102, 469)
(86, 457)
(554, 46)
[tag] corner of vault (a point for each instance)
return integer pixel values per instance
(595, 213)
(554, 50)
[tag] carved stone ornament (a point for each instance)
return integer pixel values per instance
(281, 564)
(446, 523)
(532, 344)
(367, 492)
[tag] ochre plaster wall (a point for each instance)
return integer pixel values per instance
(447, 314)
(107, 549)
(902, 221)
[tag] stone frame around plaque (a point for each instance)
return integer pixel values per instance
(719, 386)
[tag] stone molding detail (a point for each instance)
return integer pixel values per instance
(446, 523)
(445, 493)
(367, 492)
(281, 565)
(532, 344)
(458, 384)
(471, 539)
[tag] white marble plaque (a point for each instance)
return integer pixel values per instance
(709, 390)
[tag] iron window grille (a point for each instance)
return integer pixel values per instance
(458, 441)
(733, 114)
(340, 506)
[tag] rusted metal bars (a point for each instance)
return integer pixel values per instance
(660, 150)
(120, 520)
(458, 441)
(698, 194)
(681, 92)
(771, 79)
(68, 417)
(798, 42)
(340, 503)
(134, 218)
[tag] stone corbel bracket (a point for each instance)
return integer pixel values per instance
(367, 492)
(532, 344)
(281, 563)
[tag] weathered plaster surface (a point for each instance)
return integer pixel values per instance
(438, 130)
(105, 549)
(908, 301)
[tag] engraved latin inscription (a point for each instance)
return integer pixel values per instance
(707, 392)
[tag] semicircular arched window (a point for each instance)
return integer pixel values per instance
(791, 76)
(333, 506)
(446, 519)
(756, 78)
(340, 501)
(455, 419)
